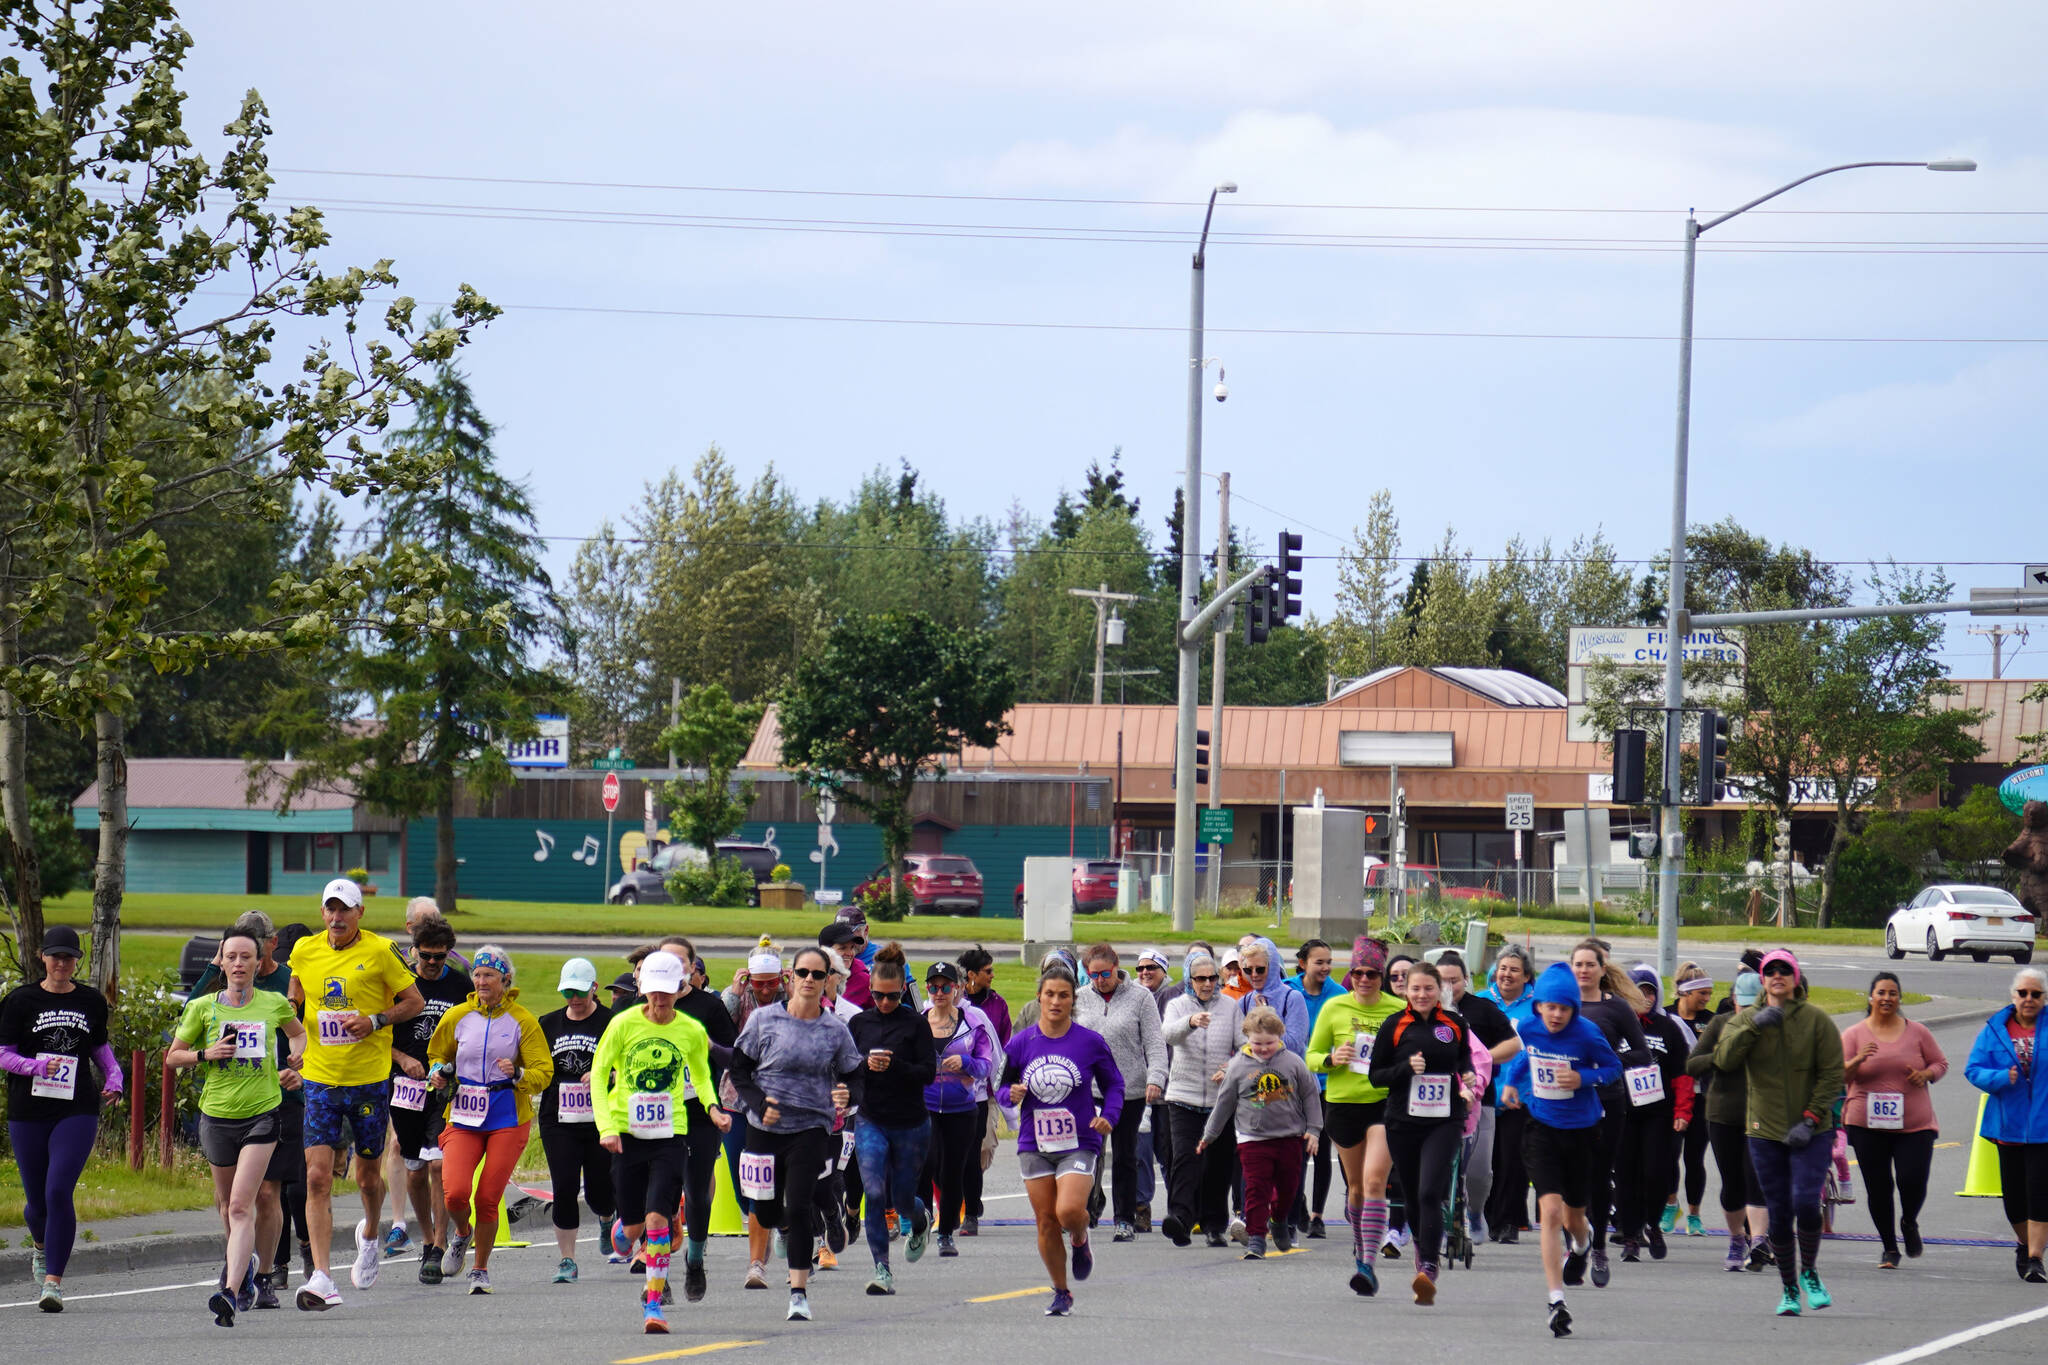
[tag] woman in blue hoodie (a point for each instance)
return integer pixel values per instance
(2005, 1065)
(1557, 1076)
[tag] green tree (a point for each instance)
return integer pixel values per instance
(604, 649)
(1368, 583)
(445, 703)
(711, 735)
(881, 702)
(893, 547)
(137, 395)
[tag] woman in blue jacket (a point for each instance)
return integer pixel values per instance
(2004, 1064)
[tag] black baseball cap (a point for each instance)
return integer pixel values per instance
(61, 940)
(946, 971)
(625, 981)
(836, 933)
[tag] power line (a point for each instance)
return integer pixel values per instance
(1120, 202)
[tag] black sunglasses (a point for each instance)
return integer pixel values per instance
(2027, 995)
(809, 973)
(885, 995)
(1779, 969)
(1200, 979)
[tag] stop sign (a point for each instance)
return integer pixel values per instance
(611, 792)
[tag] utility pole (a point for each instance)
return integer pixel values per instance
(675, 707)
(1102, 597)
(1998, 634)
(1223, 624)
(1190, 681)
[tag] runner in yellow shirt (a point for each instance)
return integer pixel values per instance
(352, 986)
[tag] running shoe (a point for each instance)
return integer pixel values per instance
(889, 1217)
(1365, 1281)
(1601, 1274)
(883, 1284)
(1910, 1232)
(1216, 1239)
(1424, 1285)
(970, 1227)
(363, 1274)
(1141, 1218)
(1738, 1253)
(1670, 1218)
(1574, 1263)
(1693, 1226)
(318, 1294)
(757, 1275)
(1631, 1254)
(651, 1320)
(1061, 1305)
(479, 1281)
(51, 1300)
(451, 1260)
(694, 1282)
(1512, 1236)
(396, 1240)
(799, 1306)
(1237, 1233)
(1175, 1230)
(823, 1259)
(245, 1293)
(1283, 1235)
(835, 1235)
(1083, 1262)
(1315, 1230)
(1560, 1319)
(1254, 1249)
(430, 1264)
(2019, 1260)
(1888, 1259)
(222, 1306)
(920, 1234)
(565, 1270)
(781, 1252)
(2036, 1273)
(1124, 1232)
(1759, 1255)
(1817, 1295)
(946, 1247)
(38, 1264)
(1788, 1303)
(266, 1295)
(622, 1245)
(1655, 1239)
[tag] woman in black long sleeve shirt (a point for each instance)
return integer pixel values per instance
(894, 1129)
(1611, 1001)
(1423, 1057)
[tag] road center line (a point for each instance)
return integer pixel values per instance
(119, 1293)
(1955, 1339)
(706, 1349)
(998, 1298)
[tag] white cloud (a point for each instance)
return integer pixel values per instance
(1990, 403)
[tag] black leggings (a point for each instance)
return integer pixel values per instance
(2023, 1181)
(1739, 1187)
(1123, 1159)
(1690, 1178)
(1607, 1138)
(1422, 1157)
(800, 1159)
(1320, 1166)
(1642, 1168)
(577, 1160)
(1891, 1158)
(971, 1184)
(1508, 1204)
(700, 1176)
(955, 1143)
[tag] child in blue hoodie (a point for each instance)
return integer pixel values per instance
(1557, 1074)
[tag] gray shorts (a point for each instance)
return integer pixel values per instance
(1038, 1165)
(223, 1139)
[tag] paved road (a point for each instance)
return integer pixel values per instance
(1147, 1302)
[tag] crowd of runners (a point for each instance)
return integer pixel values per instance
(839, 1098)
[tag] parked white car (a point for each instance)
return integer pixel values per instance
(1955, 918)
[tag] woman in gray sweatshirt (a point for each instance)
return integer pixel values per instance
(1204, 1030)
(1127, 1017)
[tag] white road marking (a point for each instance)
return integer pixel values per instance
(119, 1293)
(1955, 1339)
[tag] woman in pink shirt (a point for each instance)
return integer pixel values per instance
(1888, 1062)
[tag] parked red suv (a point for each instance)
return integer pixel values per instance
(1094, 886)
(940, 884)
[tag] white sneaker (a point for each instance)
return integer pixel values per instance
(1237, 1231)
(451, 1259)
(318, 1294)
(369, 1256)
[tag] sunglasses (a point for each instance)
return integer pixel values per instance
(1102, 975)
(2027, 995)
(1368, 973)
(1150, 967)
(1253, 971)
(938, 985)
(890, 996)
(431, 957)
(1200, 979)
(574, 995)
(1778, 969)
(809, 973)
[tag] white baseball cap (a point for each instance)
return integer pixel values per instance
(659, 972)
(344, 890)
(764, 964)
(578, 974)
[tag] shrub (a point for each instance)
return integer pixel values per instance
(779, 873)
(724, 882)
(359, 875)
(885, 900)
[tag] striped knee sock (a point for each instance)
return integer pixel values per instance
(1809, 1247)
(1355, 1216)
(657, 1264)
(1372, 1227)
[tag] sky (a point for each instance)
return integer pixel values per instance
(830, 238)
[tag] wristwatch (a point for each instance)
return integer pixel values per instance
(378, 1021)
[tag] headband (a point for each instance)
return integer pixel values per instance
(1698, 983)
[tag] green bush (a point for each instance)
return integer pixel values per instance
(1869, 884)
(725, 882)
(885, 900)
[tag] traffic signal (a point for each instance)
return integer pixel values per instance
(1201, 761)
(1631, 756)
(1642, 845)
(1781, 847)
(1287, 587)
(1712, 778)
(1258, 611)
(1375, 831)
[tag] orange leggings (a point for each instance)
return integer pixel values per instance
(463, 1150)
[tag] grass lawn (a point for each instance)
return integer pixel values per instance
(1513, 925)
(108, 1189)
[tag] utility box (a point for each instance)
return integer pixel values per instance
(1048, 905)
(1329, 877)
(1130, 890)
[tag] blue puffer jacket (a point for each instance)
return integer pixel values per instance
(1580, 1044)
(2018, 1110)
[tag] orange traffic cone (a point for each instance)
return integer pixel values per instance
(1982, 1181)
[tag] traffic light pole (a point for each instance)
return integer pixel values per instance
(1190, 680)
(1222, 636)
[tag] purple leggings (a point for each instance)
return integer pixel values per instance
(52, 1157)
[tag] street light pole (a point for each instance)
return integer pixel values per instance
(1671, 863)
(1190, 599)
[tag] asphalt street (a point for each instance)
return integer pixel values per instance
(1147, 1301)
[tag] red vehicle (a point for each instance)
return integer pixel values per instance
(1094, 886)
(1418, 878)
(940, 884)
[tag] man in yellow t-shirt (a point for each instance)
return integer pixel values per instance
(352, 986)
